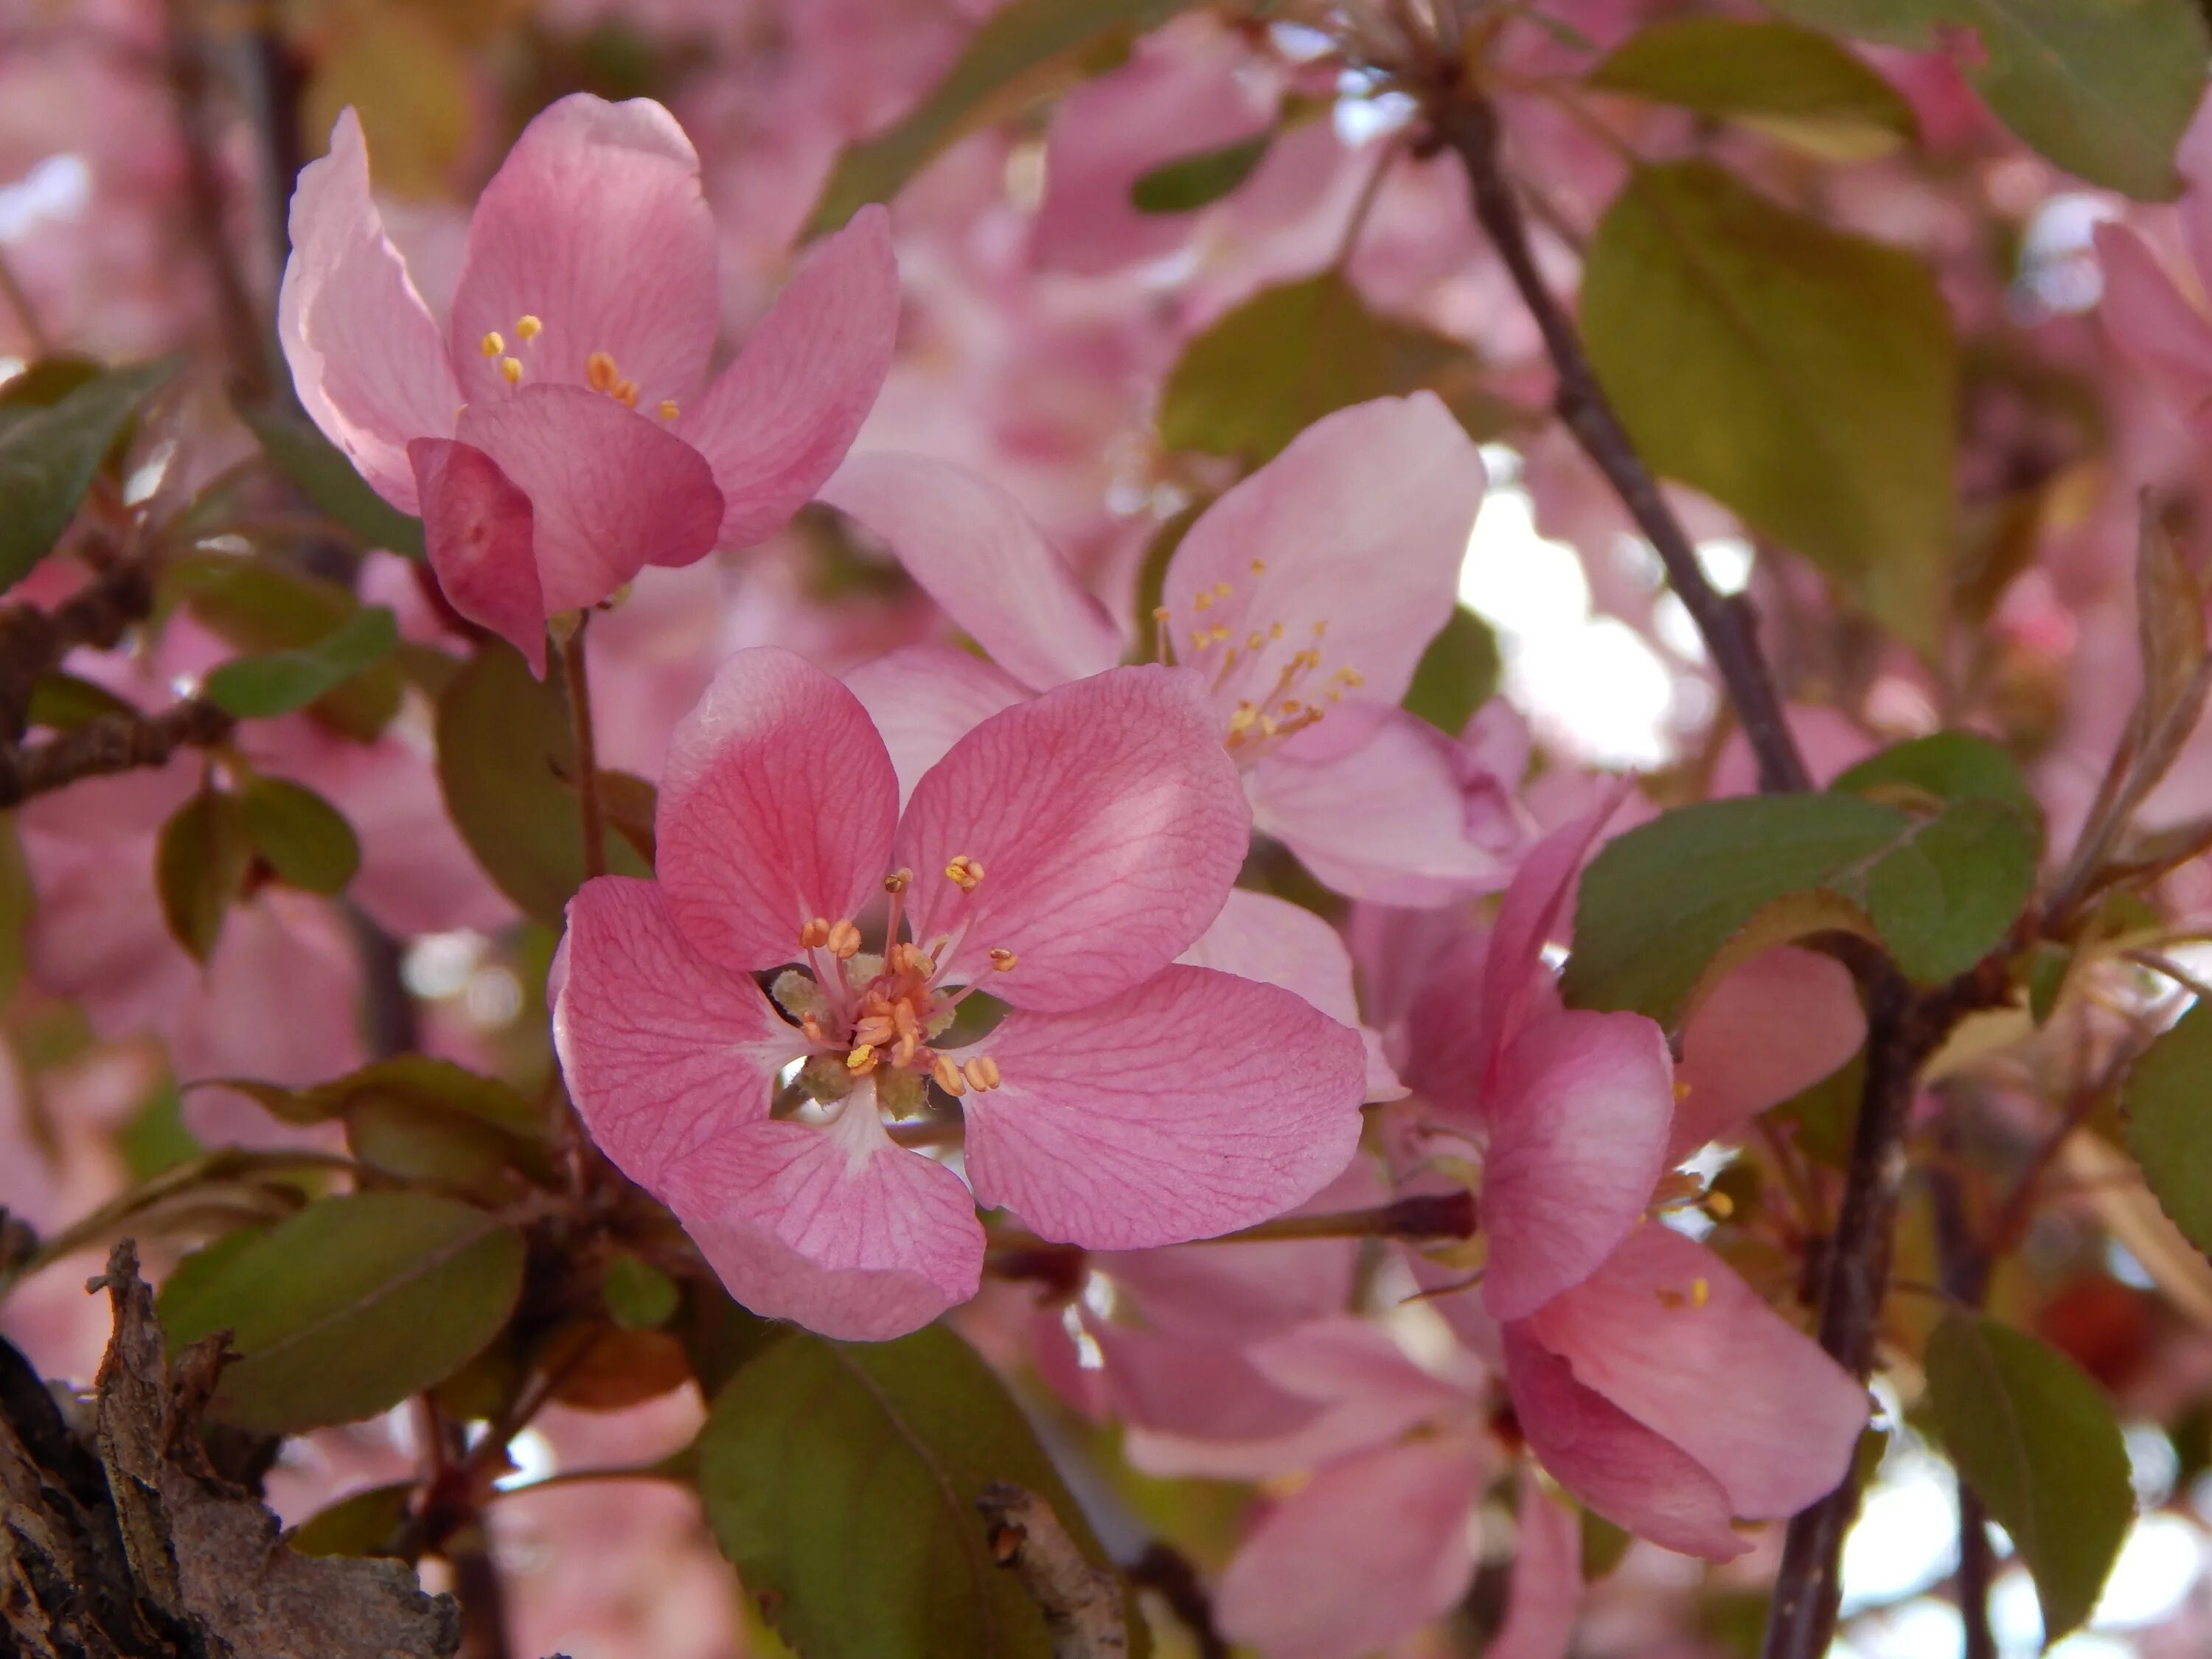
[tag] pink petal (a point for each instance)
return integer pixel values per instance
(2150, 317)
(477, 525)
(1444, 1057)
(2194, 162)
(663, 1050)
(1359, 527)
(983, 559)
(1546, 1588)
(1579, 1107)
(1773, 1028)
(1259, 936)
(925, 698)
(594, 225)
(832, 1225)
(777, 804)
(778, 420)
(1611, 1463)
(1783, 1430)
(1109, 822)
(365, 354)
(1185, 1389)
(1515, 983)
(1369, 1551)
(610, 491)
(1385, 822)
(1195, 1104)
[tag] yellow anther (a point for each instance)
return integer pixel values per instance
(812, 1026)
(815, 933)
(1217, 634)
(844, 940)
(982, 1073)
(965, 872)
(897, 882)
(1259, 566)
(510, 370)
(1719, 1206)
(1291, 705)
(625, 393)
(527, 326)
(1701, 1291)
(1003, 959)
(1274, 630)
(1199, 639)
(599, 372)
(1221, 590)
(1254, 640)
(1321, 628)
(861, 1061)
(668, 409)
(1682, 1089)
(1160, 613)
(948, 1075)
(1203, 602)
(492, 343)
(1241, 721)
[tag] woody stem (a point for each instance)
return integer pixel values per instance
(590, 814)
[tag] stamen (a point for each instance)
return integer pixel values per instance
(599, 372)
(844, 940)
(1259, 566)
(1321, 628)
(948, 1076)
(1003, 959)
(510, 370)
(527, 326)
(1274, 630)
(492, 343)
(815, 933)
(1203, 602)
(812, 1027)
(625, 393)
(982, 1073)
(668, 409)
(898, 880)
(875, 1031)
(1701, 1291)
(1222, 590)
(965, 872)
(1719, 1206)
(861, 1061)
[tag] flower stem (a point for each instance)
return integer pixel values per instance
(590, 815)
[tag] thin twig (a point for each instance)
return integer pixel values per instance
(1081, 1603)
(1963, 1262)
(1440, 1215)
(1168, 1573)
(191, 85)
(32, 641)
(590, 814)
(108, 743)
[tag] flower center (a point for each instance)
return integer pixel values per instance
(1279, 688)
(601, 372)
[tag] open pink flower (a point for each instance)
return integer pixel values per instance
(1060, 856)
(557, 434)
(1304, 597)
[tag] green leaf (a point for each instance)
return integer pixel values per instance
(321, 472)
(1023, 51)
(1456, 674)
(18, 899)
(1926, 772)
(62, 703)
(504, 746)
(1794, 84)
(262, 608)
(1661, 901)
(2168, 1101)
(1804, 379)
(49, 457)
(156, 1138)
(1191, 182)
(301, 836)
(1290, 355)
(365, 1523)
(639, 1295)
(2103, 90)
(200, 863)
(349, 1307)
(284, 681)
(2035, 1438)
(842, 1479)
(416, 1080)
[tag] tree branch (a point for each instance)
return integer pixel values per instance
(1081, 1603)
(33, 642)
(1419, 1216)
(109, 743)
(1468, 125)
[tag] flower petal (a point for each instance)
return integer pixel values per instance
(1368, 1551)
(366, 355)
(663, 1050)
(1259, 936)
(777, 802)
(925, 698)
(1634, 1478)
(610, 491)
(1195, 1104)
(1546, 1588)
(477, 525)
(2150, 317)
(831, 1226)
(983, 559)
(1515, 983)
(1642, 1333)
(1579, 1107)
(1359, 528)
(1385, 822)
(594, 224)
(1109, 822)
(778, 420)
(1775, 1027)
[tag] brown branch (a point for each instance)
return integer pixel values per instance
(1169, 1574)
(107, 744)
(1081, 1603)
(1467, 123)
(191, 80)
(33, 642)
(1420, 1216)
(1963, 1262)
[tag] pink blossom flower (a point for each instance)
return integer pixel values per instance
(1060, 856)
(2163, 324)
(1304, 596)
(557, 434)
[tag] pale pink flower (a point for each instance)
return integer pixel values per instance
(2161, 320)
(1304, 596)
(557, 433)
(1060, 857)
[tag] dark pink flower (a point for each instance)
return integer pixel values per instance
(1060, 857)
(558, 432)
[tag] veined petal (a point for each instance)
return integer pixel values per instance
(1775, 1027)
(832, 1226)
(1195, 1104)
(594, 225)
(1515, 983)
(778, 420)
(610, 491)
(477, 528)
(2150, 317)
(925, 698)
(365, 356)
(777, 802)
(1547, 1587)
(1109, 824)
(983, 559)
(663, 1051)
(1352, 539)
(1579, 1106)
(1654, 1326)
